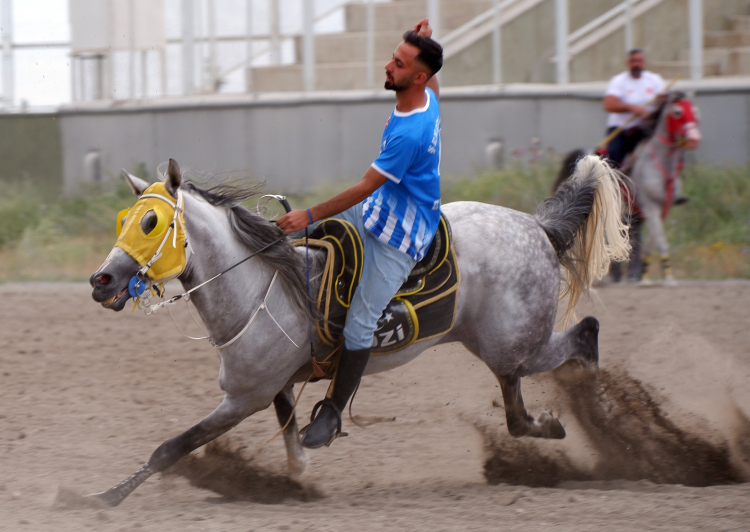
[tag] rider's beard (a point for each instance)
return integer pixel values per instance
(391, 85)
(636, 72)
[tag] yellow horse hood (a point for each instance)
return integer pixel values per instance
(151, 233)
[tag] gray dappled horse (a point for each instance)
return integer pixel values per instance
(510, 265)
(654, 169)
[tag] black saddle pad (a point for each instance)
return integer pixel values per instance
(423, 307)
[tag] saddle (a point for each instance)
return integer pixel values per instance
(424, 306)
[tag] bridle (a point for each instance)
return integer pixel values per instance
(140, 285)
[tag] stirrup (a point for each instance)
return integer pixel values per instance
(329, 403)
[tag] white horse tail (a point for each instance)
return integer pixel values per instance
(584, 222)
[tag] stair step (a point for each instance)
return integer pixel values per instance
(732, 61)
(740, 23)
(328, 77)
(722, 56)
(726, 39)
(681, 69)
(350, 47)
(403, 14)
(740, 62)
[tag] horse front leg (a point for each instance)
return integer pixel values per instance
(520, 423)
(227, 415)
(656, 231)
(295, 453)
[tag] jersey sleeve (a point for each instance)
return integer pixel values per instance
(615, 88)
(396, 157)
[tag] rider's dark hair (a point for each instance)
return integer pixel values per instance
(430, 52)
(635, 51)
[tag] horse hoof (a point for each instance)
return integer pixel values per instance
(646, 281)
(296, 467)
(109, 497)
(551, 427)
(670, 282)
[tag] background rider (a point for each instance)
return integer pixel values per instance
(628, 94)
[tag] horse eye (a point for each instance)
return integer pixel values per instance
(148, 222)
(677, 111)
(122, 222)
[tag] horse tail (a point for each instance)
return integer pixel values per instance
(584, 222)
(567, 168)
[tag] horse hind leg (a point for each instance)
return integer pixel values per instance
(579, 343)
(295, 453)
(520, 423)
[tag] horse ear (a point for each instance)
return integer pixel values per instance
(137, 184)
(174, 177)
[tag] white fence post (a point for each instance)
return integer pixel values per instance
(433, 14)
(131, 49)
(212, 66)
(370, 44)
(249, 31)
(275, 33)
(561, 39)
(6, 20)
(696, 38)
(308, 68)
(497, 58)
(188, 50)
(628, 25)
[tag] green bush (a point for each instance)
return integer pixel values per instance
(65, 237)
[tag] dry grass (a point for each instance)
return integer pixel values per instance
(66, 238)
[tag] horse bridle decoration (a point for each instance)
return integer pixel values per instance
(153, 274)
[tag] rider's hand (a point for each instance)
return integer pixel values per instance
(293, 221)
(423, 28)
(639, 110)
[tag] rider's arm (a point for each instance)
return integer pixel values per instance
(424, 29)
(433, 84)
(297, 220)
(612, 104)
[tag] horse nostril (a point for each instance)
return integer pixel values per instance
(103, 279)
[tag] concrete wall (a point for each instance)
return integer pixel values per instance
(298, 142)
(30, 150)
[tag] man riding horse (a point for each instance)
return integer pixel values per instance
(627, 100)
(630, 100)
(395, 209)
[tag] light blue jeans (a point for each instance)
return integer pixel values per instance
(384, 271)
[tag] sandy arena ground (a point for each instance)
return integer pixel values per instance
(88, 394)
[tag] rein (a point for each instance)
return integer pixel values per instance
(139, 284)
(151, 308)
(669, 179)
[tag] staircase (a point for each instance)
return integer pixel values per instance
(528, 30)
(341, 58)
(725, 52)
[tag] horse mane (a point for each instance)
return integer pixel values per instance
(256, 232)
(652, 123)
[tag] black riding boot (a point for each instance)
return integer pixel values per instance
(327, 423)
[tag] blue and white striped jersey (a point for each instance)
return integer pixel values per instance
(405, 211)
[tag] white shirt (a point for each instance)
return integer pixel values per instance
(633, 91)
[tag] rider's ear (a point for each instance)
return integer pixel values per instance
(137, 184)
(174, 177)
